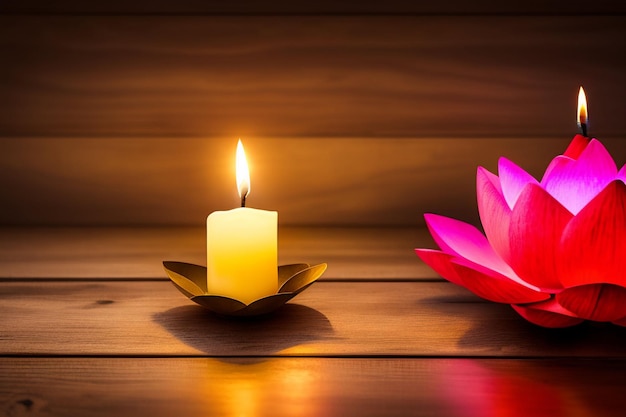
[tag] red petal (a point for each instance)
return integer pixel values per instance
(478, 279)
(547, 314)
(496, 287)
(599, 302)
(537, 222)
(620, 322)
(577, 146)
(593, 246)
(495, 214)
(440, 263)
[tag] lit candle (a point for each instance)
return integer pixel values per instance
(582, 111)
(580, 141)
(242, 259)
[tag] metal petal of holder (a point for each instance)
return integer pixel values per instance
(191, 280)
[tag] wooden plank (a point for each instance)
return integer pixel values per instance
(329, 319)
(310, 181)
(68, 253)
(281, 7)
(311, 387)
(301, 76)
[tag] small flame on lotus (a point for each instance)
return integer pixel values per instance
(582, 111)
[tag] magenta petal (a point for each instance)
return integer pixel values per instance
(440, 262)
(622, 174)
(458, 238)
(513, 180)
(558, 164)
(547, 314)
(496, 287)
(593, 245)
(537, 223)
(495, 214)
(599, 302)
(575, 182)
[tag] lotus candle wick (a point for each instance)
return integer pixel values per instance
(582, 111)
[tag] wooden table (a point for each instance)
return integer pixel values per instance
(91, 326)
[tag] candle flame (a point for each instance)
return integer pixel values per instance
(582, 107)
(243, 174)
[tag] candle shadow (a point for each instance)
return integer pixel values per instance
(215, 335)
(498, 329)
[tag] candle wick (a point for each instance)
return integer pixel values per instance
(243, 201)
(583, 128)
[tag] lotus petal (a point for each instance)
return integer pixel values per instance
(458, 238)
(575, 182)
(547, 314)
(482, 282)
(302, 279)
(537, 222)
(441, 263)
(218, 304)
(496, 287)
(286, 272)
(622, 174)
(576, 146)
(513, 180)
(190, 280)
(599, 302)
(265, 305)
(494, 212)
(557, 164)
(555, 250)
(593, 245)
(621, 322)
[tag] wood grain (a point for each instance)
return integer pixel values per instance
(310, 181)
(303, 76)
(329, 319)
(137, 253)
(282, 7)
(311, 387)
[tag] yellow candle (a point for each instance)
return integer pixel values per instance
(242, 258)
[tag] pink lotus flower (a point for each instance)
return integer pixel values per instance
(555, 249)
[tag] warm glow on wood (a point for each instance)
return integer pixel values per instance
(243, 173)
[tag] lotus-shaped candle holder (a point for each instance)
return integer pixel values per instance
(191, 280)
(554, 249)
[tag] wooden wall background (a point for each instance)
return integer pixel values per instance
(369, 114)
